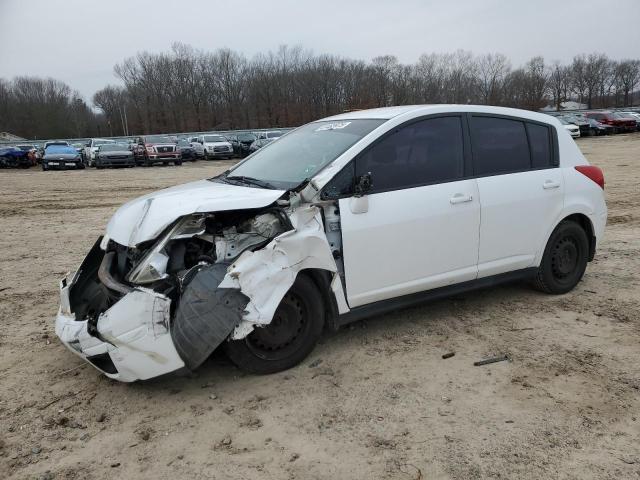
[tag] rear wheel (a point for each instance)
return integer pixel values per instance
(565, 259)
(292, 334)
(178, 163)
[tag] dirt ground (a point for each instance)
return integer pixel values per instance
(374, 400)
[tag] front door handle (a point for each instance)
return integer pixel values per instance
(548, 184)
(460, 198)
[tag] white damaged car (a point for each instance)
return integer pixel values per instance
(339, 219)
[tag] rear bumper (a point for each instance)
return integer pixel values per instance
(134, 340)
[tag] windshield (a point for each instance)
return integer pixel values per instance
(246, 137)
(214, 138)
(158, 139)
(60, 149)
(114, 147)
(102, 142)
(183, 143)
(302, 153)
(274, 134)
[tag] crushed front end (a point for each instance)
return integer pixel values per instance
(139, 312)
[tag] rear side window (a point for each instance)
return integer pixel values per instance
(499, 146)
(540, 141)
(420, 153)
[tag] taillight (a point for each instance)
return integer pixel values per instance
(593, 173)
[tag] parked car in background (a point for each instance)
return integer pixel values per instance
(619, 122)
(598, 128)
(216, 146)
(270, 135)
(91, 148)
(157, 149)
(114, 155)
(61, 157)
(573, 130)
(635, 116)
(259, 143)
(186, 150)
(32, 153)
(79, 146)
(241, 143)
(198, 148)
(50, 143)
(580, 122)
(14, 157)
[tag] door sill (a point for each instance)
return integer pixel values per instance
(385, 306)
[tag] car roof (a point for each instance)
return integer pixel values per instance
(387, 113)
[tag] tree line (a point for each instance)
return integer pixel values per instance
(192, 90)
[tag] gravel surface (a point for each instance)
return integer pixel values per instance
(374, 400)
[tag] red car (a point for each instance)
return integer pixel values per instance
(152, 149)
(620, 122)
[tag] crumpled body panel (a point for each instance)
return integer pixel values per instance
(266, 275)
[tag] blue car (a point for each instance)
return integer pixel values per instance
(13, 157)
(61, 157)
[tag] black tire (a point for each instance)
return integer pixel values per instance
(565, 259)
(178, 163)
(289, 338)
(44, 167)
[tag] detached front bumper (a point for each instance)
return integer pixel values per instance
(134, 340)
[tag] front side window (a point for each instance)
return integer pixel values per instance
(424, 152)
(499, 146)
(302, 153)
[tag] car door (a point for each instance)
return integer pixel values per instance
(521, 190)
(417, 227)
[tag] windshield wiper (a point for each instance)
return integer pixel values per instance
(251, 181)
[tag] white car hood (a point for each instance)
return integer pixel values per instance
(217, 144)
(146, 217)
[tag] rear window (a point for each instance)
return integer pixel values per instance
(499, 146)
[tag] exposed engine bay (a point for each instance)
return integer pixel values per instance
(207, 278)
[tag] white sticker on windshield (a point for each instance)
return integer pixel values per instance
(332, 126)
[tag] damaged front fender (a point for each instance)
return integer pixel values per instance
(266, 275)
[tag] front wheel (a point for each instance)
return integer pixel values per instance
(565, 259)
(292, 334)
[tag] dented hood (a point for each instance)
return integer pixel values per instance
(146, 217)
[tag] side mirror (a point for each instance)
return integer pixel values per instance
(363, 185)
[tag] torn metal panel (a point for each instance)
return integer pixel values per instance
(266, 275)
(206, 315)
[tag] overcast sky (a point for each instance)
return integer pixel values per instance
(79, 41)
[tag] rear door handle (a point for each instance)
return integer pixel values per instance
(550, 184)
(460, 198)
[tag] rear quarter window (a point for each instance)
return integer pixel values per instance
(540, 142)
